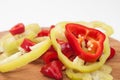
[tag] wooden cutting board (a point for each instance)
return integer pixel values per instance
(32, 70)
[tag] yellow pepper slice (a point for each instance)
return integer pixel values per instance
(73, 65)
(100, 74)
(9, 45)
(33, 27)
(77, 75)
(21, 60)
(97, 24)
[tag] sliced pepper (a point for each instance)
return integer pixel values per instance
(73, 65)
(53, 70)
(66, 49)
(112, 53)
(86, 42)
(23, 59)
(17, 29)
(49, 56)
(43, 32)
(26, 44)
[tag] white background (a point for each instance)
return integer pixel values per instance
(47, 12)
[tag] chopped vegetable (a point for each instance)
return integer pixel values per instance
(112, 53)
(26, 44)
(53, 70)
(66, 49)
(43, 32)
(49, 56)
(17, 29)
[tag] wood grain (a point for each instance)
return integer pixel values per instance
(32, 70)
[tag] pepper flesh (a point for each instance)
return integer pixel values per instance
(26, 44)
(43, 32)
(17, 29)
(53, 70)
(49, 56)
(82, 68)
(112, 53)
(92, 38)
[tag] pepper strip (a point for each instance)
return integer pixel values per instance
(75, 66)
(27, 57)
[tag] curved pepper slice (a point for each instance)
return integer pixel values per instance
(86, 42)
(24, 59)
(107, 28)
(73, 65)
(77, 75)
(102, 74)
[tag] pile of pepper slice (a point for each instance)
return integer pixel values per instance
(66, 46)
(78, 37)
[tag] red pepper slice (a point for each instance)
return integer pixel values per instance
(45, 32)
(86, 42)
(26, 44)
(112, 53)
(66, 49)
(51, 27)
(49, 56)
(17, 29)
(53, 70)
